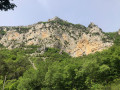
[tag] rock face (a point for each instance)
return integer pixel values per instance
(75, 39)
(119, 32)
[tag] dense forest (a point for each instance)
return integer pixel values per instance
(19, 70)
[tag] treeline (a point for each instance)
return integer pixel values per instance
(99, 71)
(59, 71)
(94, 71)
(13, 63)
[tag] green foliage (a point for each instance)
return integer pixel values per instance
(114, 36)
(80, 26)
(6, 5)
(29, 81)
(21, 29)
(2, 32)
(97, 33)
(65, 23)
(41, 22)
(1, 84)
(65, 76)
(11, 84)
(30, 49)
(61, 72)
(61, 22)
(115, 85)
(13, 63)
(99, 71)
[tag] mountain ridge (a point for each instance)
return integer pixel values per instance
(75, 39)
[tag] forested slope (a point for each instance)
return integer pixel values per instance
(58, 71)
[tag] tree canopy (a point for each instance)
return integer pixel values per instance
(6, 5)
(55, 71)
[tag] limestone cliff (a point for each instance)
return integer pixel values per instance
(75, 39)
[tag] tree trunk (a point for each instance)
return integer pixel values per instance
(4, 81)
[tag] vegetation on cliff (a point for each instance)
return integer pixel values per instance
(56, 71)
(33, 67)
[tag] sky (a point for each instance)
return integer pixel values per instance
(104, 13)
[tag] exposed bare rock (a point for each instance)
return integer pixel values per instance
(55, 19)
(119, 31)
(75, 39)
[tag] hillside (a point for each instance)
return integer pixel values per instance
(74, 39)
(58, 55)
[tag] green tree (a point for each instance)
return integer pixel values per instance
(6, 5)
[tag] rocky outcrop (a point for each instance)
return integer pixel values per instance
(119, 32)
(75, 39)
